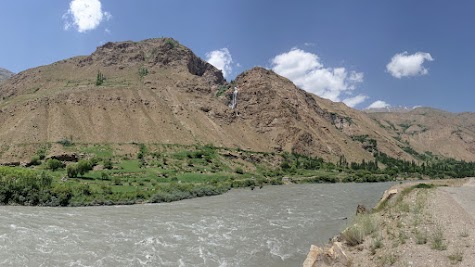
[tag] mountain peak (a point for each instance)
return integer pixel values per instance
(150, 53)
(5, 74)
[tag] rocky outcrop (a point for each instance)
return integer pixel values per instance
(333, 256)
(69, 157)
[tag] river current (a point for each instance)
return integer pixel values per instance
(273, 226)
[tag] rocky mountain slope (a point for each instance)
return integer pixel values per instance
(158, 91)
(5, 74)
(426, 129)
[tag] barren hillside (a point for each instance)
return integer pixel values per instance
(5, 74)
(426, 129)
(158, 91)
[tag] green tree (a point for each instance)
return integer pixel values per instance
(84, 166)
(54, 164)
(72, 170)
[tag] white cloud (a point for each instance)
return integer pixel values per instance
(354, 101)
(378, 104)
(307, 72)
(221, 59)
(85, 15)
(404, 65)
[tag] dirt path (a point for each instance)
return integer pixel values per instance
(464, 196)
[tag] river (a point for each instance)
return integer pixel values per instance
(273, 226)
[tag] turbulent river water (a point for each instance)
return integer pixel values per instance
(273, 226)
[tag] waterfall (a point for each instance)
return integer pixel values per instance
(234, 99)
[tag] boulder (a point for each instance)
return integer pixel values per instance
(333, 256)
(70, 157)
(361, 209)
(312, 256)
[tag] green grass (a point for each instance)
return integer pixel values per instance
(100, 151)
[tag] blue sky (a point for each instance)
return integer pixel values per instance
(403, 52)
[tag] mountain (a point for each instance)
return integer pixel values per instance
(5, 74)
(436, 131)
(158, 91)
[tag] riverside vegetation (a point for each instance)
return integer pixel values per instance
(154, 173)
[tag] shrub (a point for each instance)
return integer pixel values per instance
(105, 176)
(41, 153)
(239, 170)
(438, 239)
(107, 163)
(54, 164)
(364, 225)
(84, 166)
(100, 78)
(171, 43)
(456, 257)
(143, 72)
(65, 142)
(421, 237)
(35, 160)
(72, 170)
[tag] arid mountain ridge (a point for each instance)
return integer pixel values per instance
(159, 91)
(5, 74)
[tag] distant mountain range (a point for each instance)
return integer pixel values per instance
(159, 91)
(5, 74)
(390, 109)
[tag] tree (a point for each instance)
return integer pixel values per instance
(54, 164)
(84, 166)
(72, 170)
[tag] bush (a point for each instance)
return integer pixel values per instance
(65, 142)
(72, 170)
(239, 170)
(105, 176)
(26, 187)
(100, 78)
(35, 160)
(107, 163)
(143, 72)
(364, 225)
(84, 166)
(54, 164)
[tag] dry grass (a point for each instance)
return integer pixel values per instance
(438, 239)
(456, 256)
(363, 225)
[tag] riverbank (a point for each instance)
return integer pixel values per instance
(68, 174)
(421, 224)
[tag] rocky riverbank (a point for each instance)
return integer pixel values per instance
(414, 224)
